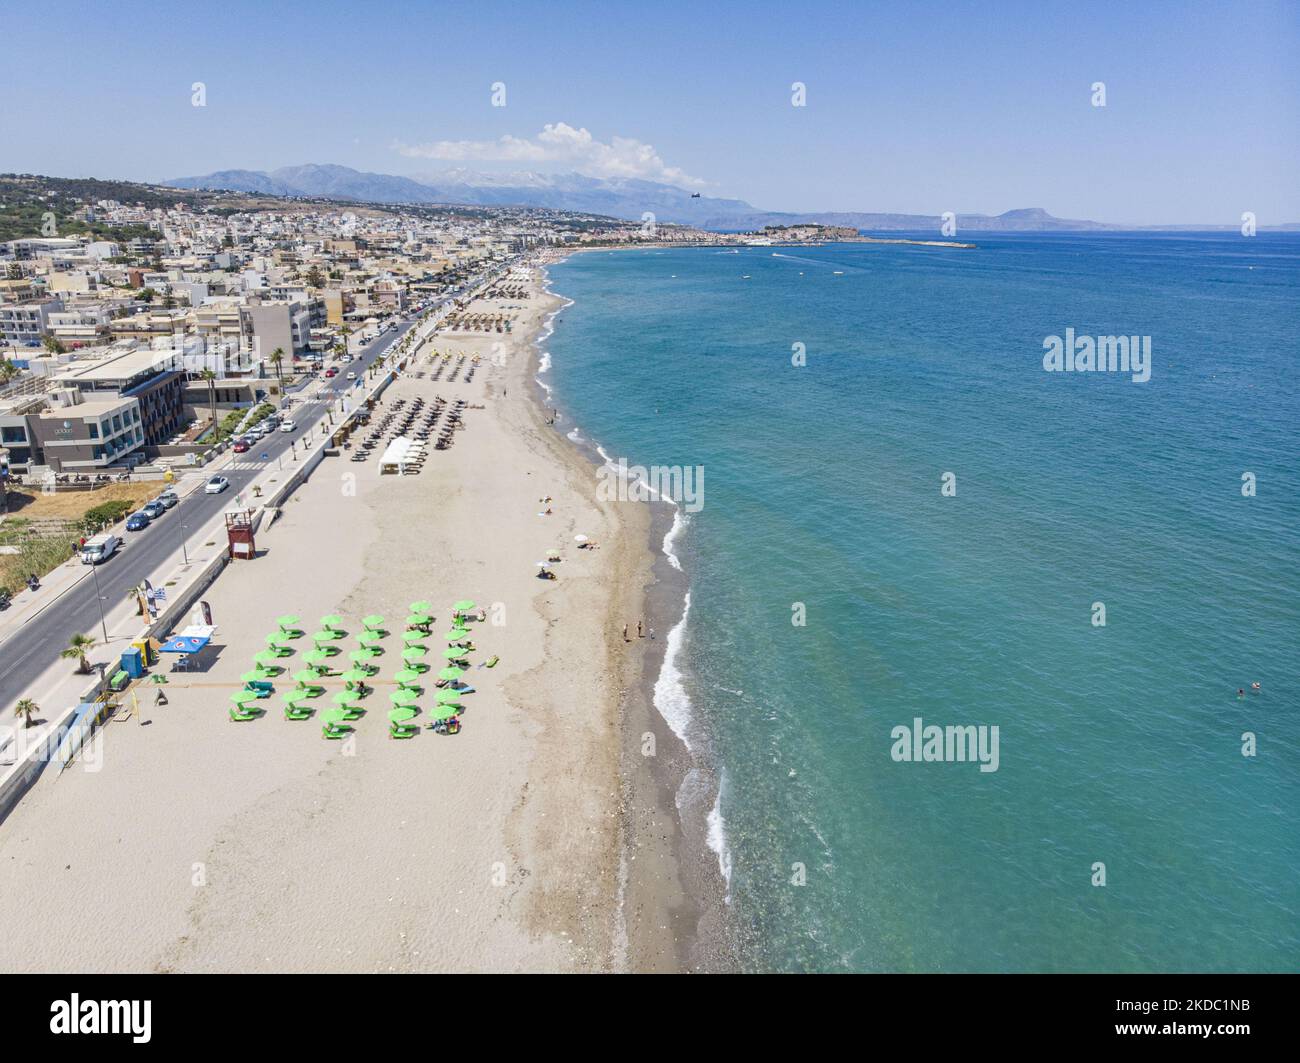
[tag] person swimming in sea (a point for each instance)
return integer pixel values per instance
(1240, 693)
(1255, 687)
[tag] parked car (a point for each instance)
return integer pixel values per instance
(331, 372)
(168, 499)
(287, 426)
(99, 548)
(241, 446)
(215, 485)
(351, 375)
(155, 509)
(137, 521)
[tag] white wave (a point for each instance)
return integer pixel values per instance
(716, 837)
(575, 436)
(670, 696)
(544, 362)
(680, 520)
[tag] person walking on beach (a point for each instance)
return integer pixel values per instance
(625, 638)
(638, 630)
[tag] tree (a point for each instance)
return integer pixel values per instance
(314, 277)
(27, 708)
(277, 360)
(52, 344)
(7, 370)
(78, 647)
(211, 378)
(14, 272)
(147, 294)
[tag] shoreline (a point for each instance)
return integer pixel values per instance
(674, 899)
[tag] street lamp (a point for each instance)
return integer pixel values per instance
(184, 552)
(103, 624)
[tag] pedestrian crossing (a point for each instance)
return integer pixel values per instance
(246, 466)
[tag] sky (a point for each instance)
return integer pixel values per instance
(908, 107)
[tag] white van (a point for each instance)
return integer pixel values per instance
(99, 548)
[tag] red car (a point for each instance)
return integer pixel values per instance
(331, 372)
(241, 446)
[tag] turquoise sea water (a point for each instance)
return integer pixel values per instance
(1119, 744)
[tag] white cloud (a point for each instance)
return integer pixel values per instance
(560, 142)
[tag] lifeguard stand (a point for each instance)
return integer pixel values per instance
(239, 535)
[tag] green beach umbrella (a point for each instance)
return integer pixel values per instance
(413, 653)
(373, 622)
(307, 677)
(355, 675)
(278, 638)
(413, 636)
(265, 657)
(451, 672)
(242, 697)
(369, 638)
(420, 607)
(361, 656)
(419, 620)
(317, 656)
(444, 712)
(295, 696)
(286, 622)
(326, 635)
(407, 675)
(456, 634)
(257, 675)
(331, 621)
(454, 653)
(448, 696)
(463, 606)
(333, 716)
(403, 697)
(344, 697)
(401, 715)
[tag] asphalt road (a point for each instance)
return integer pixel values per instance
(35, 646)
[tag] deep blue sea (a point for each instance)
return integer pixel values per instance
(1119, 745)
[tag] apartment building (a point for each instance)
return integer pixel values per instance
(25, 322)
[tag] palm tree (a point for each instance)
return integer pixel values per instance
(78, 646)
(211, 377)
(277, 358)
(27, 708)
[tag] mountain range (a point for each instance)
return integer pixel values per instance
(624, 198)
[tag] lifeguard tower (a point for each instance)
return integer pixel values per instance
(239, 535)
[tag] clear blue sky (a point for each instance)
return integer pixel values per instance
(916, 107)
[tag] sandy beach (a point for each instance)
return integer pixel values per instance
(206, 845)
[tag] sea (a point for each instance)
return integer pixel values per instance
(903, 518)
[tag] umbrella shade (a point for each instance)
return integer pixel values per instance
(325, 635)
(449, 697)
(454, 653)
(355, 675)
(413, 636)
(288, 621)
(239, 697)
(373, 621)
(331, 621)
(413, 653)
(463, 606)
(257, 675)
(451, 672)
(444, 712)
(403, 714)
(369, 638)
(403, 697)
(456, 634)
(420, 607)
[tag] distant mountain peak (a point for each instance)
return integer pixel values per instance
(625, 198)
